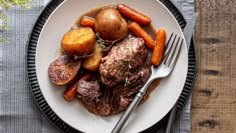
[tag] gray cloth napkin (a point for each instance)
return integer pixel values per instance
(18, 112)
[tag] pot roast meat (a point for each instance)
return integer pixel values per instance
(123, 58)
(122, 75)
(112, 100)
(88, 91)
(122, 95)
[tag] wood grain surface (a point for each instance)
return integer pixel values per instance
(214, 94)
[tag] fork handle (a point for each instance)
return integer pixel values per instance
(131, 108)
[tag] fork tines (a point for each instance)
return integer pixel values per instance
(172, 50)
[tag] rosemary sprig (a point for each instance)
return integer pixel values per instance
(127, 74)
(106, 44)
(100, 40)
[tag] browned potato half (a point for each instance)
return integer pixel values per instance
(92, 63)
(111, 25)
(63, 70)
(78, 42)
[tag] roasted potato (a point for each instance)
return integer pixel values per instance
(110, 25)
(78, 42)
(63, 70)
(92, 63)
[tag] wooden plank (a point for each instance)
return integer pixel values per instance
(214, 94)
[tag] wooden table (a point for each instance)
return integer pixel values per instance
(214, 94)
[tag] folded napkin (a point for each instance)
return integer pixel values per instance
(18, 111)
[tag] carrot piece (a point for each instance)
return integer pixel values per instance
(159, 47)
(140, 32)
(71, 91)
(87, 22)
(133, 14)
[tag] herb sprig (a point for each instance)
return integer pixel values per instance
(127, 62)
(6, 5)
(105, 44)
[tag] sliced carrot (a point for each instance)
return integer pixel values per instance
(140, 32)
(159, 47)
(87, 22)
(71, 91)
(133, 14)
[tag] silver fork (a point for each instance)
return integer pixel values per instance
(172, 50)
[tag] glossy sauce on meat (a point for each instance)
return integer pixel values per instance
(125, 57)
(112, 100)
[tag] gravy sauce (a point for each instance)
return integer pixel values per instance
(150, 29)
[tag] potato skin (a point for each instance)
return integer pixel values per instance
(92, 63)
(63, 70)
(78, 42)
(111, 25)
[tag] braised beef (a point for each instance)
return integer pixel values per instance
(122, 74)
(112, 100)
(88, 91)
(123, 58)
(123, 95)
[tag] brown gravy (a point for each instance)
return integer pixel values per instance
(150, 29)
(92, 13)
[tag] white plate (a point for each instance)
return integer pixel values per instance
(162, 99)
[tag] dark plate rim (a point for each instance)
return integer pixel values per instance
(42, 103)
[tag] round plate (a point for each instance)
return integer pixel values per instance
(73, 116)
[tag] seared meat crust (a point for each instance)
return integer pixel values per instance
(123, 58)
